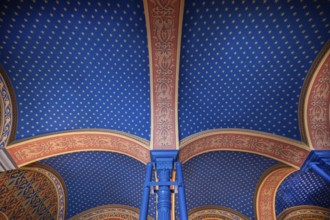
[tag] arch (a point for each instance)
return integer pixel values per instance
(42, 147)
(30, 192)
(8, 109)
(266, 191)
(215, 213)
(288, 151)
(116, 212)
(314, 105)
(305, 212)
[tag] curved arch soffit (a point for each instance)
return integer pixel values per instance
(266, 191)
(8, 110)
(50, 175)
(310, 212)
(109, 212)
(314, 106)
(288, 151)
(215, 212)
(35, 149)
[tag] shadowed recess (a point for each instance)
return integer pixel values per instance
(243, 63)
(224, 178)
(100, 178)
(303, 188)
(77, 64)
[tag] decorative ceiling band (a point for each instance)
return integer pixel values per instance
(304, 212)
(266, 191)
(39, 182)
(314, 106)
(288, 151)
(215, 212)
(109, 212)
(8, 110)
(39, 148)
(164, 26)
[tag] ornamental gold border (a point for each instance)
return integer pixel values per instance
(305, 106)
(220, 211)
(55, 178)
(35, 149)
(8, 130)
(304, 210)
(265, 194)
(101, 210)
(243, 140)
(170, 129)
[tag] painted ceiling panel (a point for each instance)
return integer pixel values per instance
(303, 188)
(100, 178)
(224, 178)
(77, 64)
(243, 63)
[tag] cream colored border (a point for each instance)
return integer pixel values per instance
(308, 94)
(269, 174)
(309, 209)
(142, 143)
(86, 214)
(185, 142)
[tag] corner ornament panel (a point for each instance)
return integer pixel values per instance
(288, 151)
(164, 24)
(39, 148)
(266, 191)
(315, 119)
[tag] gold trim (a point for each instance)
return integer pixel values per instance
(306, 91)
(206, 209)
(268, 174)
(308, 209)
(85, 215)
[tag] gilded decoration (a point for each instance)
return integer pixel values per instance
(8, 110)
(33, 192)
(32, 150)
(288, 151)
(115, 212)
(315, 123)
(305, 213)
(266, 191)
(215, 213)
(164, 18)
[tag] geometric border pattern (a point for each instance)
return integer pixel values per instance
(58, 183)
(290, 152)
(314, 106)
(309, 212)
(265, 195)
(109, 212)
(8, 109)
(215, 212)
(164, 25)
(42, 147)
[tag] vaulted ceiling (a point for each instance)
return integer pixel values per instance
(79, 78)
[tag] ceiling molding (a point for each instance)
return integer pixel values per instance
(314, 105)
(286, 150)
(35, 149)
(266, 191)
(310, 212)
(164, 26)
(8, 110)
(215, 212)
(109, 212)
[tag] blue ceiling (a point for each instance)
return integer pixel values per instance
(77, 64)
(243, 63)
(303, 188)
(100, 178)
(224, 178)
